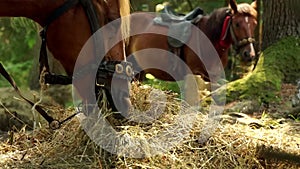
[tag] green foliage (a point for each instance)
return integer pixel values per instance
(19, 72)
(163, 85)
(184, 6)
(18, 38)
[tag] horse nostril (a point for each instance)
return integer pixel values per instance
(252, 56)
(247, 54)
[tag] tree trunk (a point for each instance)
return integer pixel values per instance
(279, 62)
(280, 19)
(258, 30)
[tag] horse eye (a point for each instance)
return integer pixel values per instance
(237, 25)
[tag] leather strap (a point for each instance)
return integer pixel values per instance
(43, 59)
(13, 84)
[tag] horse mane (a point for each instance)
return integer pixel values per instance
(246, 9)
(125, 20)
(124, 12)
(215, 23)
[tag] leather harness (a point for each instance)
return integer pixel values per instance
(106, 69)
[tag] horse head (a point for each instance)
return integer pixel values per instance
(243, 24)
(114, 74)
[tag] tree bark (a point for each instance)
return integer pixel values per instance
(280, 19)
(279, 62)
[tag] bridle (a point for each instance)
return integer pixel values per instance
(106, 69)
(238, 44)
(228, 30)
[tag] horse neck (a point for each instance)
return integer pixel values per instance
(36, 10)
(211, 26)
(202, 24)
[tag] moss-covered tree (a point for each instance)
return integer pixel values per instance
(279, 61)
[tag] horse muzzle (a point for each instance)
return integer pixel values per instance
(116, 77)
(120, 94)
(246, 49)
(248, 56)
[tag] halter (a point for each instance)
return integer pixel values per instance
(241, 43)
(227, 27)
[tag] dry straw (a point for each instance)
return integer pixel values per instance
(232, 145)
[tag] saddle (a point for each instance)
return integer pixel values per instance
(179, 25)
(168, 15)
(179, 29)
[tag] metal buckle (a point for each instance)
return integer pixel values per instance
(129, 70)
(119, 68)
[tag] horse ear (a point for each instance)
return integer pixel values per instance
(233, 6)
(254, 4)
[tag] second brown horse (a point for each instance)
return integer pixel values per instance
(224, 27)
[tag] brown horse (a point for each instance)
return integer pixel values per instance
(233, 25)
(67, 27)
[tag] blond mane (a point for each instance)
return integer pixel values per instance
(125, 21)
(245, 8)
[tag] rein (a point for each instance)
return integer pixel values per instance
(53, 123)
(226, 26)
(43, 60)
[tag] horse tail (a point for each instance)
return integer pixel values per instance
(125, 21)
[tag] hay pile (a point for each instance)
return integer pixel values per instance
(230, 146)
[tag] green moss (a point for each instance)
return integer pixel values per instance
(285, 56)
(278, 63)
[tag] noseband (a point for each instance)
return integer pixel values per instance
(238, 44)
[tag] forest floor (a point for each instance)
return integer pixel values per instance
(268, 137)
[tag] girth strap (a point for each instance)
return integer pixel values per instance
(57, 79)
(43, 60)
